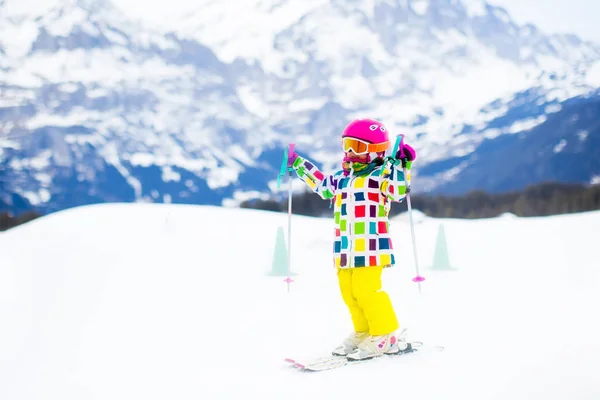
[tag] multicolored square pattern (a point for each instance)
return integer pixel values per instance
(361, 207)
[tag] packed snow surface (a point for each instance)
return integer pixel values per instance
(142, 301)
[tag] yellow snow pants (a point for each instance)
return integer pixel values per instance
(370, 308)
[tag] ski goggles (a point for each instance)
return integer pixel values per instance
(362, 147)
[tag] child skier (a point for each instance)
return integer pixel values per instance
(362, 192)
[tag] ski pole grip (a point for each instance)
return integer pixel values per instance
(399, 141)
(401, 147)
(283, 167)
(290, 151)
(287, 159)
(284, 163)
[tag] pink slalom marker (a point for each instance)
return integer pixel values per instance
(418, 279)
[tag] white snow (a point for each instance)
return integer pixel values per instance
(560, 146)
(241, 154)
(142, 159)
(239, 196)
(63, 25)
(169, 175)
(582, 135)
(41, 161)
(474, 8)
(147, 301)
(243, 29)
(97, 92)
(19, 8)
(449, 174)
(420, 7)
(110, 153)
(478, 84)
(39, 197)
(17, 38)
(492, 133)
(115, 37)
(7, 102)
(94, 140)
(221, 177)
(517, 127)
(252, 102)
(552, 108)
(147, 39)
(78, 116)
(593, 75)
(45, 179)
(502, 15)
(526, 124)
(526, 52)
(69, 87)
(307, 104)
(98, 66)
(23, 78)
(353, 92)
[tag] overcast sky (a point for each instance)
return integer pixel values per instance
(552, 16)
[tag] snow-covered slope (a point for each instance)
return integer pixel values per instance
(98, 107)
(169, 301)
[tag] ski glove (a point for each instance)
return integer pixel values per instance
(291, 155)
(406, 153)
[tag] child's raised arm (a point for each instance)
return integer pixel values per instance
(323, 185)
(394, 184)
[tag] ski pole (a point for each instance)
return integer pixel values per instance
(417, 279)
(284, 166)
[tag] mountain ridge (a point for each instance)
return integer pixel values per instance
(101, 108)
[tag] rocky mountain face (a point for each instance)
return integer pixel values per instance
(95, 107)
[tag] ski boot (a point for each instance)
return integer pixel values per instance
(375, 346)
(350, 344)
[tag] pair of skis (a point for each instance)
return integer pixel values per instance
(334, 362)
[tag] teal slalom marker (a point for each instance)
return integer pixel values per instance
(441, 258)
(279, 266)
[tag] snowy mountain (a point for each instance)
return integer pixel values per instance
(120, 302)
(97, 107)
(565, 147)
(100, 108)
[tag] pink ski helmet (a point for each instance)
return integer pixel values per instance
(369, 130)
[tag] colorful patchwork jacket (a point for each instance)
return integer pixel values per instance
(361, 205)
